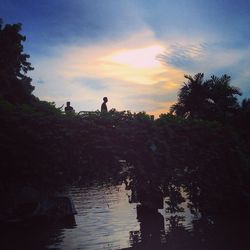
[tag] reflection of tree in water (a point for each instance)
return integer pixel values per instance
(177, 235)
(135, 237)
(174, 222)
(37, 236)
(151, 225)
(174, 199)
(151, 232)
(202, 233)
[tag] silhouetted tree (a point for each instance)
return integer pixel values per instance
(223, 98)
(193, 98)
(15, 85)
(245, 105)
(243, 119)
(212, 99)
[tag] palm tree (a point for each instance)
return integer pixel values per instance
(224, 97)
(193, 98)
(245, 104)
(212, 99)
(244, 115)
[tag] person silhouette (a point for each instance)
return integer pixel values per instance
(68, 109)
(104, 105)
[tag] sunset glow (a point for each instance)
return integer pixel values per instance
(134, 52)
(140, 58)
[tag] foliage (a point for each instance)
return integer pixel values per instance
(224, 98)
(212, 99)
(5, 106)
(193, 98)
(243, 116)
(48, 149)
(15, 85)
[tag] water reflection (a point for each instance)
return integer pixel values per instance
(151, 232)
(106, 220)
(39, 236)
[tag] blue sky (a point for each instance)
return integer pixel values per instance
(133, 51)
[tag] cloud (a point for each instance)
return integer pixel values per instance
(138, 73)
(49, 24)
(134, 52)
(40, 81)
(183, 55)
(127, 71)
(95, 84)
(210, 58)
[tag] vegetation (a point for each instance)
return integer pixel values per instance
(15, 84)
(212, 99)
(201, 147)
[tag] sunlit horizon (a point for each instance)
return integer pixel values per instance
(135, 52)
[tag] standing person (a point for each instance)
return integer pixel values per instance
(68, 109)
(104, 105)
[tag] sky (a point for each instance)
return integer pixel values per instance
(135, 52)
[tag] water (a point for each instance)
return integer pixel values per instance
(106, 220)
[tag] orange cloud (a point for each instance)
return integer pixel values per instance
(119, 61)
(133, 76)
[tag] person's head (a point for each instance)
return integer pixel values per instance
(105, 99)
(68, 104)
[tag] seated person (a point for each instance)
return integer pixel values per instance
(68, 109)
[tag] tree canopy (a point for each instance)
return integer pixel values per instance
(15, 85)
(212, 99)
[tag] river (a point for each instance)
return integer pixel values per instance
(106, 220)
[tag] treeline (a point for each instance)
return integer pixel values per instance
(213, 99)
(206, 159)
(201, 146)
